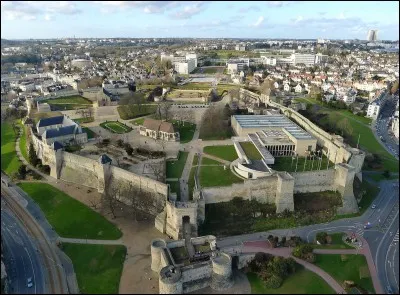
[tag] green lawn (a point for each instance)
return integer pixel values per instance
(116, 127)
(359, 126)
(79, 100)
(226, 152)
(138, 122)
(216, 176)
(175, 188)
(250, 150)
(208, 161)
(191, 182)
(69, 217)
(195, 160)
(371, 191)
(345, 270)
(90, 133)
(22, 142)
(175, 168)
(186, 130)
(302, 281)
(98, 268)
(132, 111)
(380, 177)
(9, 160)
(84, 120)
(289, 165)
(337, 243)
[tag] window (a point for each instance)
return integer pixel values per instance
(309, 148)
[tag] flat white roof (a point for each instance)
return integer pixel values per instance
(272, 121)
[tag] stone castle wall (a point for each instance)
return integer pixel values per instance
(314, 181)
(77, 169)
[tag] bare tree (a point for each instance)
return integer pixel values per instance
(94, 203)
(110, 195)
(165, 110)
(158, 171)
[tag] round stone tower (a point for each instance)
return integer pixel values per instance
(170, 280)
(157, 246)
(221, 277)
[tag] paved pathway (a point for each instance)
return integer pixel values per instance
(89, 241)
(217, 159)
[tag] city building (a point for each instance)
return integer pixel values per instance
(276, 133)
(61, 129)
(237, 65)
(240, 47)
(306, 59)
(185, 67)
(321, 58)
(372, 35)
(159, 130)
(373, 110)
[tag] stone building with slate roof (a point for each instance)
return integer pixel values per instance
(159, 130)
(61, 129)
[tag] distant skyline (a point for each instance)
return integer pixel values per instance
(199, 19)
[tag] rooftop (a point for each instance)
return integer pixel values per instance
(51, 121)
(272, 121)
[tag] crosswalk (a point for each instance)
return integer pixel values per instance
(396, 237)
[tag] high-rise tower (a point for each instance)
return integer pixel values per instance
(372, 35)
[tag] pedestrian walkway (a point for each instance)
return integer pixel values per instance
(89, 241)
(216, 159)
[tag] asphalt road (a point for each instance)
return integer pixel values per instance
(381, 128)
(383, 247)
(21, 257)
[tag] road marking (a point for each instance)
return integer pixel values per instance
(33, 270)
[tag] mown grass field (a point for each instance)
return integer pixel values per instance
(84, 120)
(9, 160)
(69, 217)
(186, 130)
(98, 268)
(90, 133)
(68, 103)
(337, 243)
(210, 176)
(345, 270)
(23, 144)
(116, 127)
(175, 168)
(250, 150)
(132, 111)
(302, 281)
(225, 152)
(208, 161)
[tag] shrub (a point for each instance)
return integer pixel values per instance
(106, 141)
(273, 282)
(129, 150)
(302, 250)
(321, 237)
(33, 159)
(22, 172)
(45, 169)
(120, 142)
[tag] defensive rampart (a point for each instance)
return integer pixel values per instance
(77, 169)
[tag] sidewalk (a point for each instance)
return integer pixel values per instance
(89, 241)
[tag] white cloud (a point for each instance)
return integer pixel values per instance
(341, 16)
(48, 17)
(145, 6)
(190, 10)
(279, 3)
(299, 19)
(30, 10)
(259, 22)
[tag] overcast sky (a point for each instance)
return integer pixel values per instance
(214, 19)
